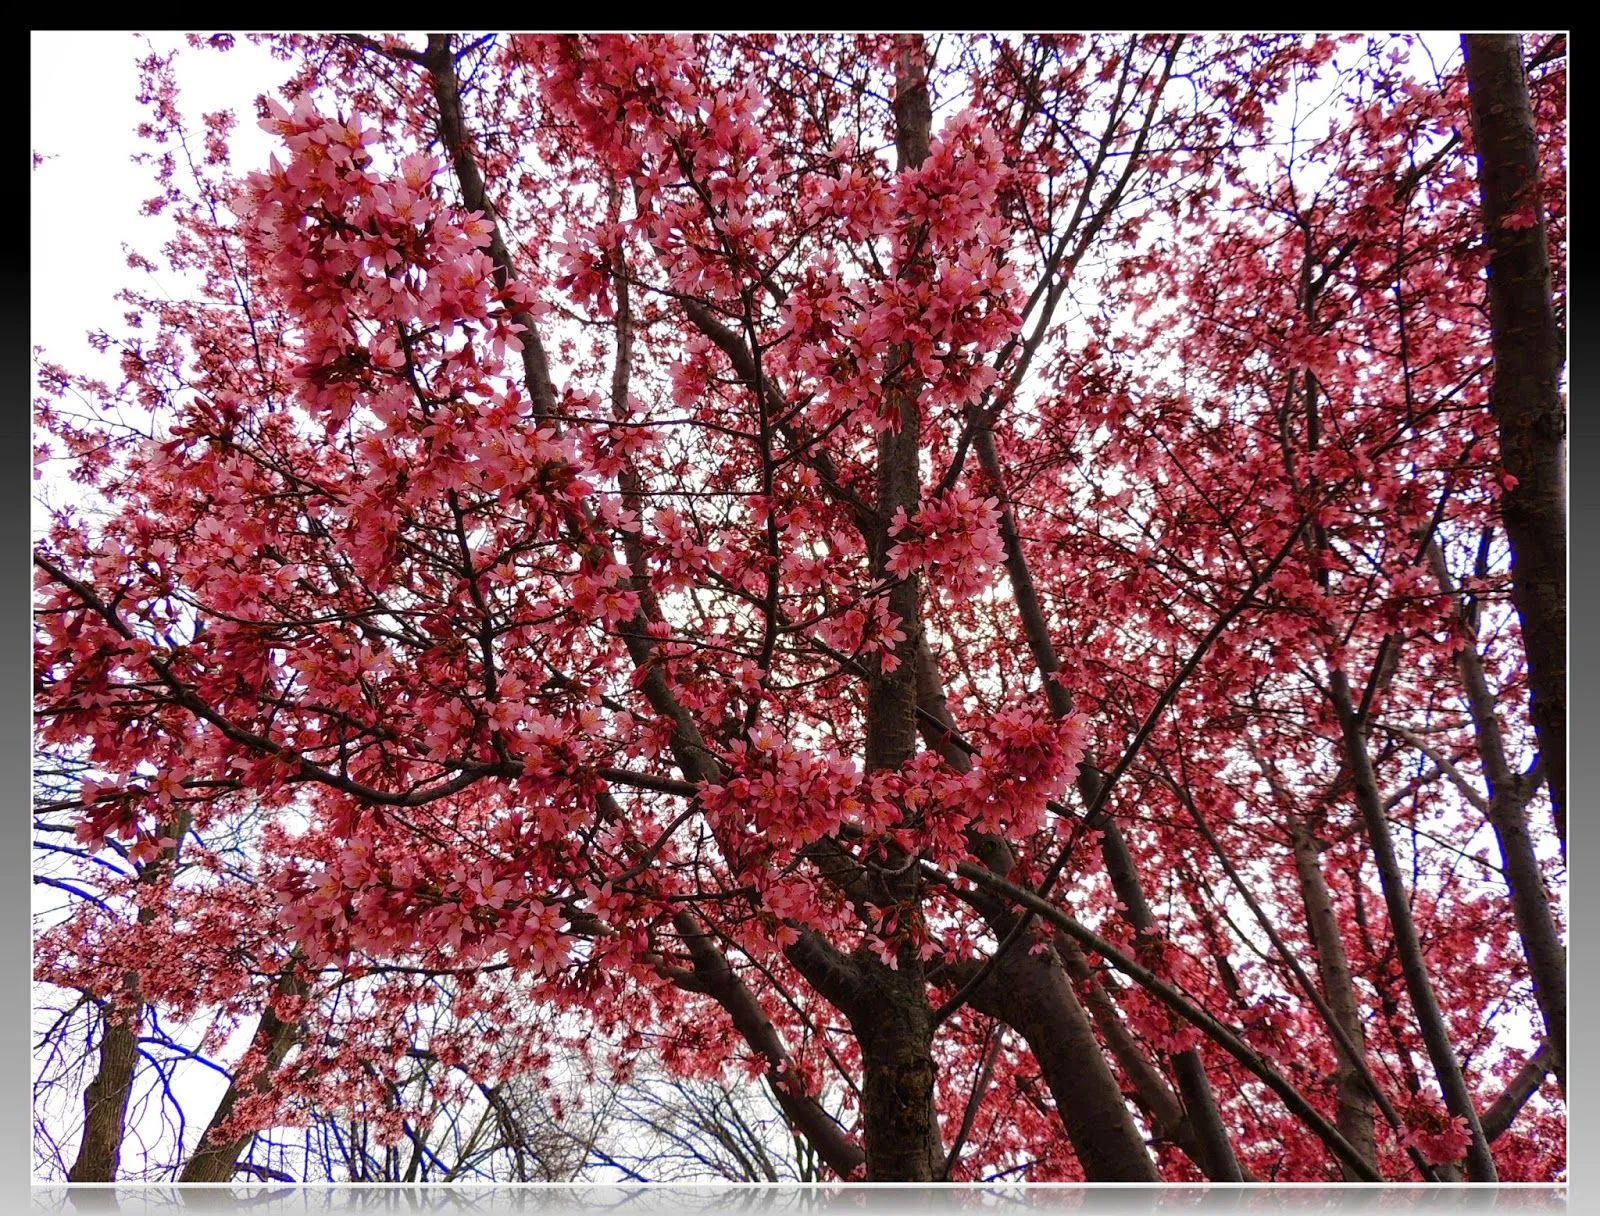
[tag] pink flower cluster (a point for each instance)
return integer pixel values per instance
(956, 536)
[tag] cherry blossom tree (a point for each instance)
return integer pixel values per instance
(998, 587)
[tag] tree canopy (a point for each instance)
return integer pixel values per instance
(1005, 590)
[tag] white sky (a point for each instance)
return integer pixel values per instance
(89, 133)
(86, 197)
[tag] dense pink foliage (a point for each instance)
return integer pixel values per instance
(371, 625)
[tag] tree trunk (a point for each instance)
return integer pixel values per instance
(215, 1159)
(1200, 1105)
(1031, 994)
(1161, 1106)
(1503, 1110)
(1507, 814)
(1526, 392)
(1178, 1003)
(1199, 1102)
(807, 1116)
(895, 1024)
(105, 1101)
(1435, 1034)
(1338, 989)
(900, 1127)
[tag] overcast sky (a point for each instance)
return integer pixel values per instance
(86, 197)
(87, 194)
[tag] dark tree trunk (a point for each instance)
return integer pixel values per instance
(1204, 1119)
(1154, 1096)
(892, 695)
(105, 1101)
(1199, 1102)
(1338, 989)
(1032, 994)
(215, 1159)
(1504, 1110)
(1526, 393)
(1509, 794)
(900, 1127)
(1414, 968)
(717, 979)
(894, 1023)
